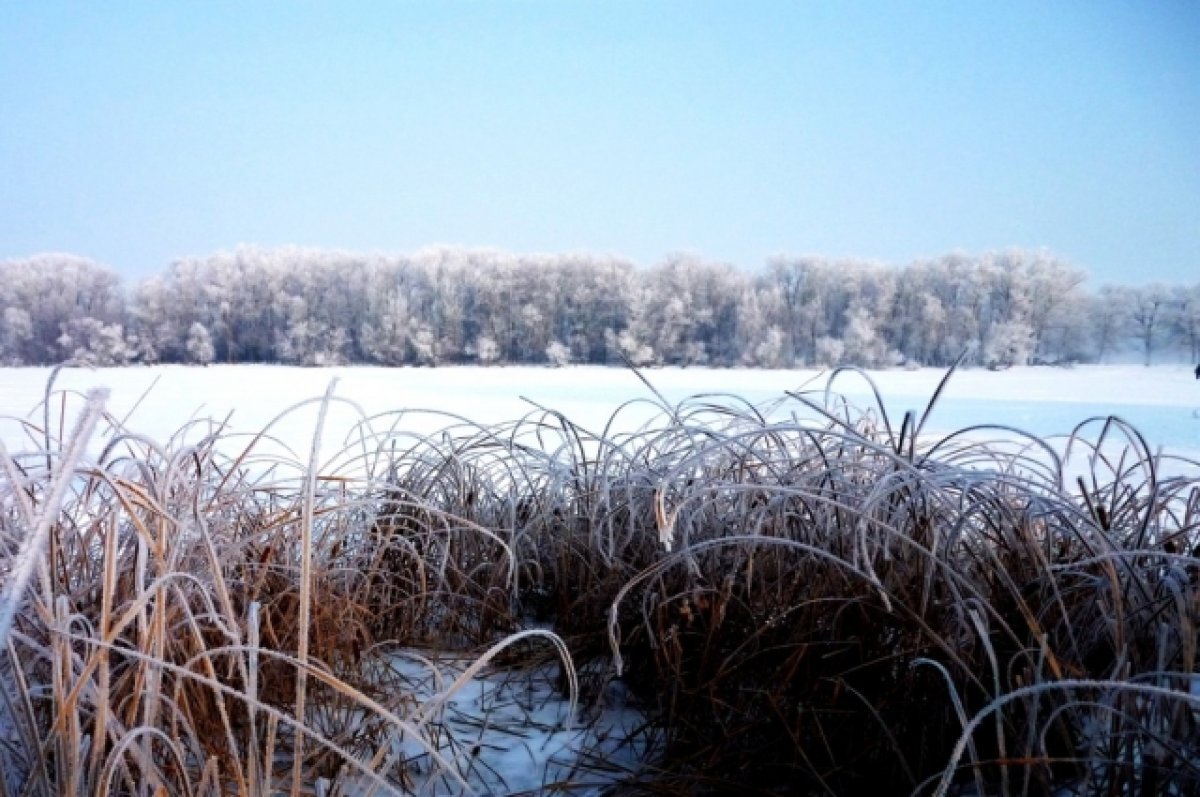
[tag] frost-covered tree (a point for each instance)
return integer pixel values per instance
(804, 288)
(424, 345)
(1054, 308)
(1010, 343)
(829, 351)
(18, 331)
(557, 354)
(54, 291)
(638, 353)
(199, 344)
(384, 332)
(487, 350)
(314, 307)
(768, 351)
(93, 343)
(1108, 313)
(861, 344)
(1149, 317)
(1187, 321)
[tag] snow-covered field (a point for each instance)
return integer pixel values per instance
(1162, 402)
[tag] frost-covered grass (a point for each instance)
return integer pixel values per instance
(805, 596)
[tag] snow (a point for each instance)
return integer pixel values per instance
(255, 394)
(509, 732)
(1162, 402)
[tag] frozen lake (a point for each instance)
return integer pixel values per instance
(1163, 402)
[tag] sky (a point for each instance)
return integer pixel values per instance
(135, 133)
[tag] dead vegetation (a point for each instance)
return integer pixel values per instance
(810, 600)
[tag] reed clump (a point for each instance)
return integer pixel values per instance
(803, 598)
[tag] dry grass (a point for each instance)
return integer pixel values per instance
(828, 606)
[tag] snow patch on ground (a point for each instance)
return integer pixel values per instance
(509, 732)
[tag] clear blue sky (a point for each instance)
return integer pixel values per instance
(137, 132)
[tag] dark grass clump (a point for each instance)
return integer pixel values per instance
(828, 608)
(187, 622)
(802, 599)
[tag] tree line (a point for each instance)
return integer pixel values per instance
(448, 305)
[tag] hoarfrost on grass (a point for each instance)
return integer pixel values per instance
(510, 731)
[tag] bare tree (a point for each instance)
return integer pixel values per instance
(1148, 317)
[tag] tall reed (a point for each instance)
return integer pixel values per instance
(802, 598)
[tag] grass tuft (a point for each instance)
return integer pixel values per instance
(804, 598)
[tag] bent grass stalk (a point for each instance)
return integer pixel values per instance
(798, 597)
